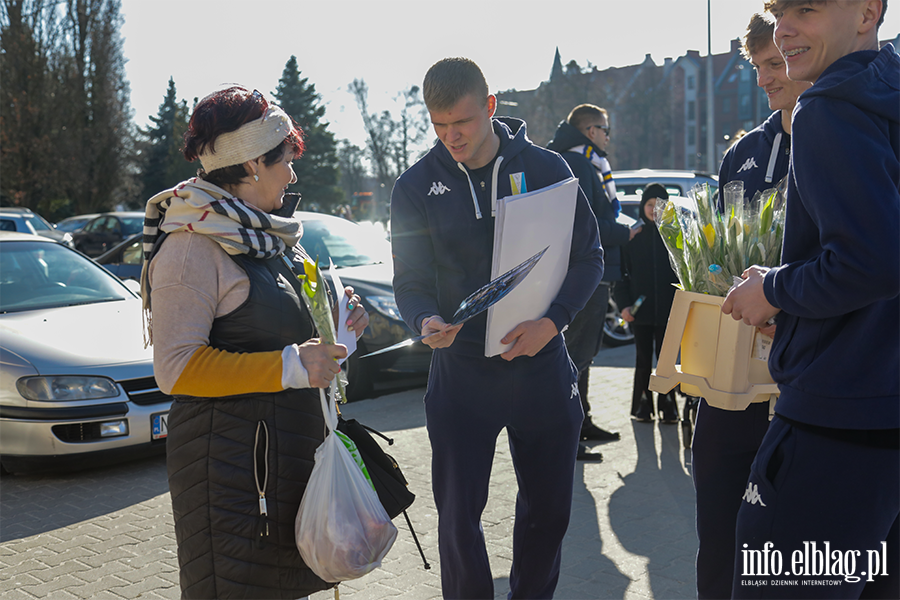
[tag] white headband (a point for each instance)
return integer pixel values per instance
(251, 140)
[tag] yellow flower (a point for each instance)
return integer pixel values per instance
(310, 269)
(710, 233)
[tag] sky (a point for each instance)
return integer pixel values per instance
(204, 44)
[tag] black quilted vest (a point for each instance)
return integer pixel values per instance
(226, 547)
(273, 315)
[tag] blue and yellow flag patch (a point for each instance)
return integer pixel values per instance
(517, 183)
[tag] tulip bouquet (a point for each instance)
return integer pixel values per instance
(709, 248)
(315, 296)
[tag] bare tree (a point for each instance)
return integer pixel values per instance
(66, 130)
(380, 132)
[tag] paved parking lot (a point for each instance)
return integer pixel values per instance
(107, 533)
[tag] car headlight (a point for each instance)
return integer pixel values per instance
(66, 387)
(386, 305)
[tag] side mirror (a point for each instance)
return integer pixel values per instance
(133, 285)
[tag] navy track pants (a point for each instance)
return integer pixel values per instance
(723, 448)
(468, 402)
(805, 489)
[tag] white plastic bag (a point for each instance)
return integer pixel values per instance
(342, 530)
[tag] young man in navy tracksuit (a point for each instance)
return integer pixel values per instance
(442, 236)
(828, 469)
(725, 442)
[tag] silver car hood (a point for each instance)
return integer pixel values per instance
(80, 339)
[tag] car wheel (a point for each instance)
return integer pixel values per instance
(615, 329)
(359, 375)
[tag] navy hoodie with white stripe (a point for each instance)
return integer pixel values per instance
(760, 159)
(442, 233)
(837, 346)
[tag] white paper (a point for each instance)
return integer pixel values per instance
(525, 224)
(347, 338)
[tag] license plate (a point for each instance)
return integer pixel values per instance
(159, 426)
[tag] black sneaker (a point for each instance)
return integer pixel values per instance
(584, 454)
(645, 411)
(594, 433)
(669, 408)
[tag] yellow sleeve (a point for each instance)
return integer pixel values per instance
(216, 373)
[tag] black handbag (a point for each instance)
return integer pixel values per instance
(390, 484)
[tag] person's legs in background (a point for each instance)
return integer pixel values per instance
(642, 398)
(583, 338)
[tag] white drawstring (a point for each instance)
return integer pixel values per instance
(471, 189)
(494, 186)
(770, 171)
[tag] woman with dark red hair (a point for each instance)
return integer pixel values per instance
(236, 347)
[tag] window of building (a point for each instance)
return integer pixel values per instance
(692, 136)
(690, 82)
(691, 110)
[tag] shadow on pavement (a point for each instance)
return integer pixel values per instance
(34, 504)
(662, 495)
(393, 412)
(588, 571)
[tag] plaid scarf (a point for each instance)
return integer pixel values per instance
(200, 207)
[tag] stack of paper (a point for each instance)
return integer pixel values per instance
(524, 225)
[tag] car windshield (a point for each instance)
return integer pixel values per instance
(71, 224)
(132, 225)
(40, 224)
(36, 275)
(344, 242)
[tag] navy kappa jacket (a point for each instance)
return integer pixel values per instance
(442, 234)
(760, 159)
(837, 345)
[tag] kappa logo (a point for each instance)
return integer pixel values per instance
(752, 496)
(750, 163)
(574, 390)
(438, 188)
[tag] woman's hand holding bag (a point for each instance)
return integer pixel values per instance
(342, 530)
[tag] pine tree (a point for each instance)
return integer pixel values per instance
(162, 164)
(317, 170)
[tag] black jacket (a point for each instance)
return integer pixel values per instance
(226, 547)
(646, 271)
(612, 234)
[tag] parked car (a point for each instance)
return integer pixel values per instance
(76, 382)
(677, 183)
(363, 257)
(24, 220)
(76, 223)
(106, 230)
(125, 259)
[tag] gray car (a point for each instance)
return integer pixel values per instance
(76, 382)
(24, 220)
